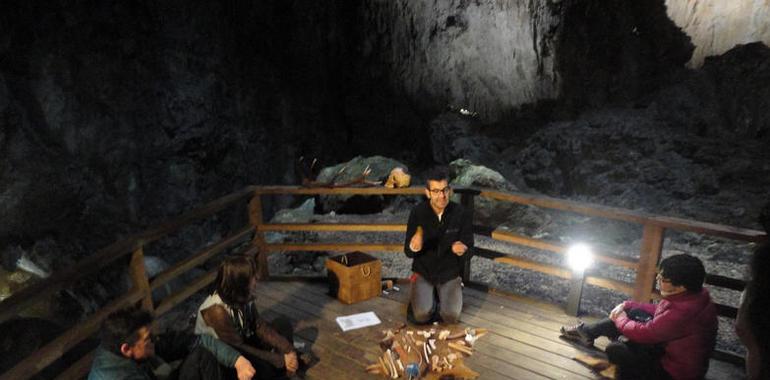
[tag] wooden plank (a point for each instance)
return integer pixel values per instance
(743, 234)
(207, 210)
(47, 354)
(349, 351)
(726, 310)
(32, 294)
(331, 227)
(547, 246)
(607, 283)
(467, 200)
(199, 258)
(375, 190)
(304, 298)
(139, 278)
(337, 247)
(725, 282)
(614, 213)
(564, 273)
(11, 306)
(256, 219)
(384, 309)
(79, 369)
(649, 255)
(180, 296)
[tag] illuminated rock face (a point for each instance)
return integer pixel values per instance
(483, 56)
(716, 26)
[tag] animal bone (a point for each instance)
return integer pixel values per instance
(443, 334)
(383, 366)
(398, 178)
(461, 348)
(374, 369)
(391, 365)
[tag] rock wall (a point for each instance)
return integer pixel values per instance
(485, 56)
(118, 115)
(716, 26)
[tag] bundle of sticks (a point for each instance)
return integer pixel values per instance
(426, 353)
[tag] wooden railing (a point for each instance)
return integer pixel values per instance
(653, 231)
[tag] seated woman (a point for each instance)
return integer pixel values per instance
(753, 322)
(669, 340)
(230, 314)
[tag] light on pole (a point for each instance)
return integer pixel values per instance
(579, 258)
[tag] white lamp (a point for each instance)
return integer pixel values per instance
(579, 258)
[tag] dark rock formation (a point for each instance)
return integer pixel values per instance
(644, 50)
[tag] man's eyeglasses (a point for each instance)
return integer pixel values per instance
(444, 191)
(660, 278)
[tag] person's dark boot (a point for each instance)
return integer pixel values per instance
(577, 334)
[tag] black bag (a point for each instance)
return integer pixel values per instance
(639, 315)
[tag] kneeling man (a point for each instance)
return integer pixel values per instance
(439, 239)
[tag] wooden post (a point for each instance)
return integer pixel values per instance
(255, 218)
(467, 200)
(139, 278)
(649, 255)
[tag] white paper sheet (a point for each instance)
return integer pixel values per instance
(357, 321)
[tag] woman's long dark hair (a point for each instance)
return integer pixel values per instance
(233, 279)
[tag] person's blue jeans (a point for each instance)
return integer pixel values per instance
(450, 300)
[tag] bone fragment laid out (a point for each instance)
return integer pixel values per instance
(461, 348)
(384, 367)
(374, 368)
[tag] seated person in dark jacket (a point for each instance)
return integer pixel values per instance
(669, 340)
(127, 349)
(230, 314)
(439, 239)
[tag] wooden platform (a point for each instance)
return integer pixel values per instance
(523, 342)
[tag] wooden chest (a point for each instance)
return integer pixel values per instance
(354, 277)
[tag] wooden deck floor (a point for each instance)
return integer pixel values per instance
(523, 342)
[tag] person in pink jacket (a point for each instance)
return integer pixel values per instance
(669, 340)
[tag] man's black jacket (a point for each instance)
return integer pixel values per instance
(436, 262)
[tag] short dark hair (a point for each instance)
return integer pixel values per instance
(437, 174)
(123, 326)
(233, 278)
(684, 270)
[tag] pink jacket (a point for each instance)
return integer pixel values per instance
(686, 323)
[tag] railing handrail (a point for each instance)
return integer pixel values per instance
(585, 208)
(638, 217)
(104, 257)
